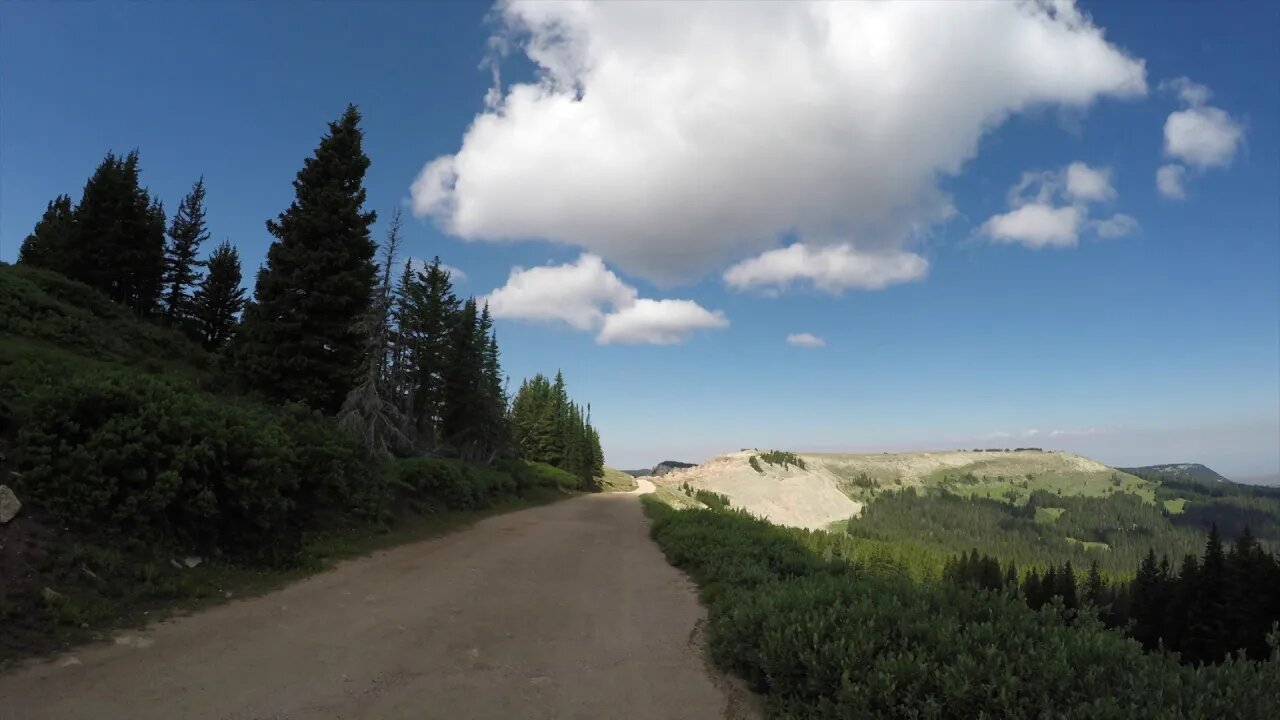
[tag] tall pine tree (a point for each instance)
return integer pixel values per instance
(298, 340)
(49, 244)
(187, 232)
(219, 299)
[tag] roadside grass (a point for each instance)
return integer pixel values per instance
(823, 633)
(617, 481)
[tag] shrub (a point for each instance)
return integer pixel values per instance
(713, 500)
(122, 454)
(824, 636)
(785, 459)
(755, 463)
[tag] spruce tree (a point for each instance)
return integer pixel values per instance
(370, 411)
(298, 341)
(49, 244)
(187, 232)
(219, 298)
(117, 241)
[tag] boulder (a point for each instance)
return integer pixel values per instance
(9, 504)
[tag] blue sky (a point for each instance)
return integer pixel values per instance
(866, 211)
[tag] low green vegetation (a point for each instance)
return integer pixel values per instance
(783, 459)
(822, 631)
(1175, 505)
(617, 481)
(1048, 514)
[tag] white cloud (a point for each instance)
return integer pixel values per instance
(1190, 92)
(1117, 225)
(574, 293)
(1169, 180)
(806, 340)
(831, 269)
(1089, 184)
(1202, 137)
(1036, 226)
(671, 138)
(587, 295)
(658, 322)
(1037, 221)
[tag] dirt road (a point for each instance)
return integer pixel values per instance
(561, 611)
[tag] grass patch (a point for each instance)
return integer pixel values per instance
(1175, 506)
(1089, 544)
(1049, 514)
(617, 481)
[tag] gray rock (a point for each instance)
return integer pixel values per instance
(191, 561)
(9, 504)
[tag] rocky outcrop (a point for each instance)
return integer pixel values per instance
(9, 504)
(667, 466)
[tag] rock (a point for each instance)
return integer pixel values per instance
(50, 595)
(175, 563)
(9, 504)
(70, 661)
(191, 561)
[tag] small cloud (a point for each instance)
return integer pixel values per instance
(997, 435)
(1036, 226)
(1117, 225)
(658, 322)
(1202, 137)
(1169, 181)
(830, 269)
(1089, 184)
(587, 295)
(806, 340)
(1031, 433)
(1190, 92)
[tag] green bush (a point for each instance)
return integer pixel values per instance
(530, 475)
(130, 455)
(713, 500)
(825, 636)
(754, 462)
(779, 457)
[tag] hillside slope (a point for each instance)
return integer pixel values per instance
(831, 487)
(1185, 472)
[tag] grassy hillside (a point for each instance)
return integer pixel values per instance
(146, 486)
(617, 481)
(1002, 475)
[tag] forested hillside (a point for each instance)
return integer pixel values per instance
(171, 439)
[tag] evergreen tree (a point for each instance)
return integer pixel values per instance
(298, 340)
(426, 317)
(117, 240)
(1094, 589)
(187, 232)
(370, 411)
(1067, 587)
(219, 298)
(49, 244)
(463, 386)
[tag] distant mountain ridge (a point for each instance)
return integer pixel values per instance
(660, 469)
(1194, 472)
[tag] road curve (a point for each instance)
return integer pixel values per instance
(561, 611)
